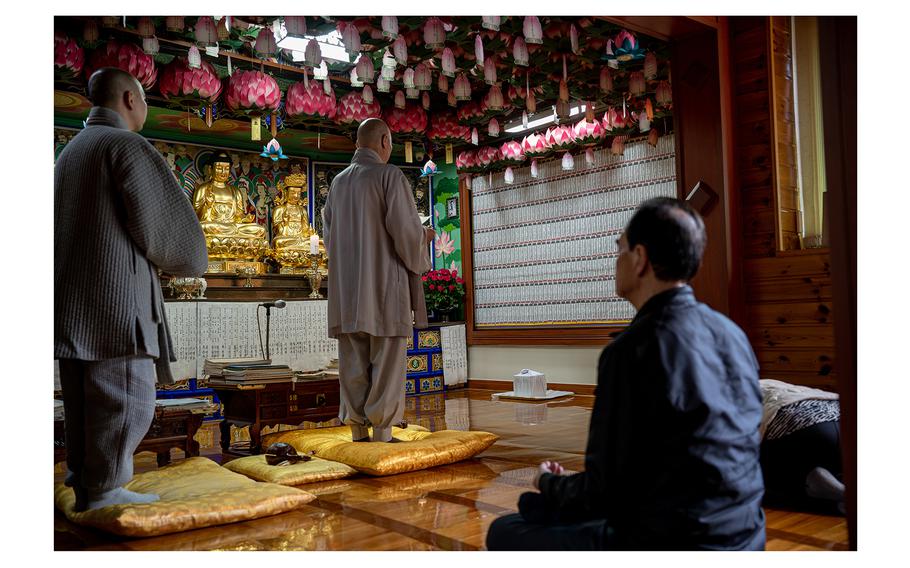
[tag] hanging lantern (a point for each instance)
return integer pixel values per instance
(126, 56)
(649, 109)
(410, 120)
(494, 101)
(478, 50)
(265, 46)
(509, 176)
(150, 45)
(489, 70)
(388, 73)
(561, 137)
(588, 133)
(327, 86)
(636, 83)
(412, 93)
(352, 109)
(475, 137)
(312, 57)
(589, 156)
(573, 39)
(295, 26)
(664, 95)
(388, 65)
(606, 81)
(146, 27)
(252, 92)
(390, 27)
(535, 144)
(650, 69)
(626, 46)
(445, 129)
(612, 120)
(365, 69)
(69, 58)
(488, 156)
(90, 33)
(618, 146)
(562, 110)
(434, 34)
(205, 33)
(448, 63)
(609, 51)
(367, 94)
(532, 31)
(466, 160)
(320, 73)
(471, 113)
(425, 100)
(568, 162)
(382, 84)
(520, 52)
(451, 99)
(400, 51)
(644, 124)
(350, 37)
(174, 24)
(355, 80)
(110, 21)
(408, 78)
(512, 152)
(423, 78)
(491, 22)
(462, 88)
(273, 150)
(442, 84)
(493, 128)
(194, 58)
(653, 137)
(188, 86)
(399, 99)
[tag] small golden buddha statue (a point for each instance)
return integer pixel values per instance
(294, 235)
(232, 237)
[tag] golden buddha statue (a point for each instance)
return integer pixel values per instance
(294, 236)
(233, 239)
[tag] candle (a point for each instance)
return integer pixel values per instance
(314, 244)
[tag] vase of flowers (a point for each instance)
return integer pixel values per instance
(444, 292)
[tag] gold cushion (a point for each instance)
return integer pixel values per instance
(423, 449)
(299, 473)
(195, 493)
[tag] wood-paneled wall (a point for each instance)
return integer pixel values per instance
(787, 294)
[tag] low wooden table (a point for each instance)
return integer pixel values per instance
(171, 428)
(261, 405)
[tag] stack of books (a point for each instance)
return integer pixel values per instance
(200, 405)
(216, 366)
(258, 374)
(331, 370)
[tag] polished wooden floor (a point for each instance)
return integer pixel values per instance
(446, 508)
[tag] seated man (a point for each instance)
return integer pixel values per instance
(672, 460)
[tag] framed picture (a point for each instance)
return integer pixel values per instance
(452, 207)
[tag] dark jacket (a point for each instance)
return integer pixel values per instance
(673, 450)
(119, 215)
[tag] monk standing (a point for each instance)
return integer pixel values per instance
(377, 249)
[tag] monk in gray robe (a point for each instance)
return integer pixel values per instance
(119, 216)
(377, 249)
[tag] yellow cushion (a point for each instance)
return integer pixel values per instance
(423, 449)
(299, 473)
(195, 493)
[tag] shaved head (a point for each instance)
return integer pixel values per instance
(107, 85)
(370, 133)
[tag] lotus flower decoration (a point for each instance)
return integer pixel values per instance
(126, 56)
(410, 121)
(535, 144)
(664, 95)
(352, 110)
(273, 150)
(589, 133)
(448, 63)
(626, 47)
(491, 22)
(561, 137)
(488, 156)
(532, 31)
(429, 169)
(189, 87)
(312, 56)
(466, 161)
(512, 151)
(445, 129)
(470, 113)
(308, 101)
(69, 58)
(390, 27)
(252, 92)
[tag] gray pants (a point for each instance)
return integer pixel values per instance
(371, 373)
(108, 406)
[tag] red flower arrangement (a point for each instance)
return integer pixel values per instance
(443, 289)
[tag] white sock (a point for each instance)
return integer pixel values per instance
(117, 496)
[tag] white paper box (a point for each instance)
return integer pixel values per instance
(530, 383)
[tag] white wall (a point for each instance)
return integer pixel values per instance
(570, 365)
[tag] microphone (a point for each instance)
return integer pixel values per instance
(275, 304)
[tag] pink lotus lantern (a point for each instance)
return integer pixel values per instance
(493, 128)
(466, 160)
(568, 162)
(69, 58)
(589, 156)
(399, 99)
(90, 33)
(573, 39)
(205, 33)
(644, 124)
(618, 146)
(411, 93)
(478, 50)
(367, 94)
(252, 92)
(265, 46)
(295, 26)
(174, 24)
(445, 129)
(588, 133)
(442, 84)
(520, 52)
(312, 57)
(308, 101)
(126, 56)
(512, 151)
(475, 137)
(535, 144)
(400, 51)
(653, 137)
(561, 137)
(383, 85)
(612, 120)
(365, 69)
(188, 87)
(493, 101)
(423, 78)
(489, 70)
(469, 113)
(462, 88)
(448, 63)
(488, 156)
(535, 171)
(352, 110)
(434, 34)
(194, 58)
(410, 121)
(450, 98)
(146, 27)
(606, 81)
(350, 37)
(390, 27)
(408, 78)
(150, 45)
(650, 69)
(491, 22)
(509, 176)
(425, 100)
(636, 83)
(532, 31)
(327, 86)
(664, 95)
(223, 26)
